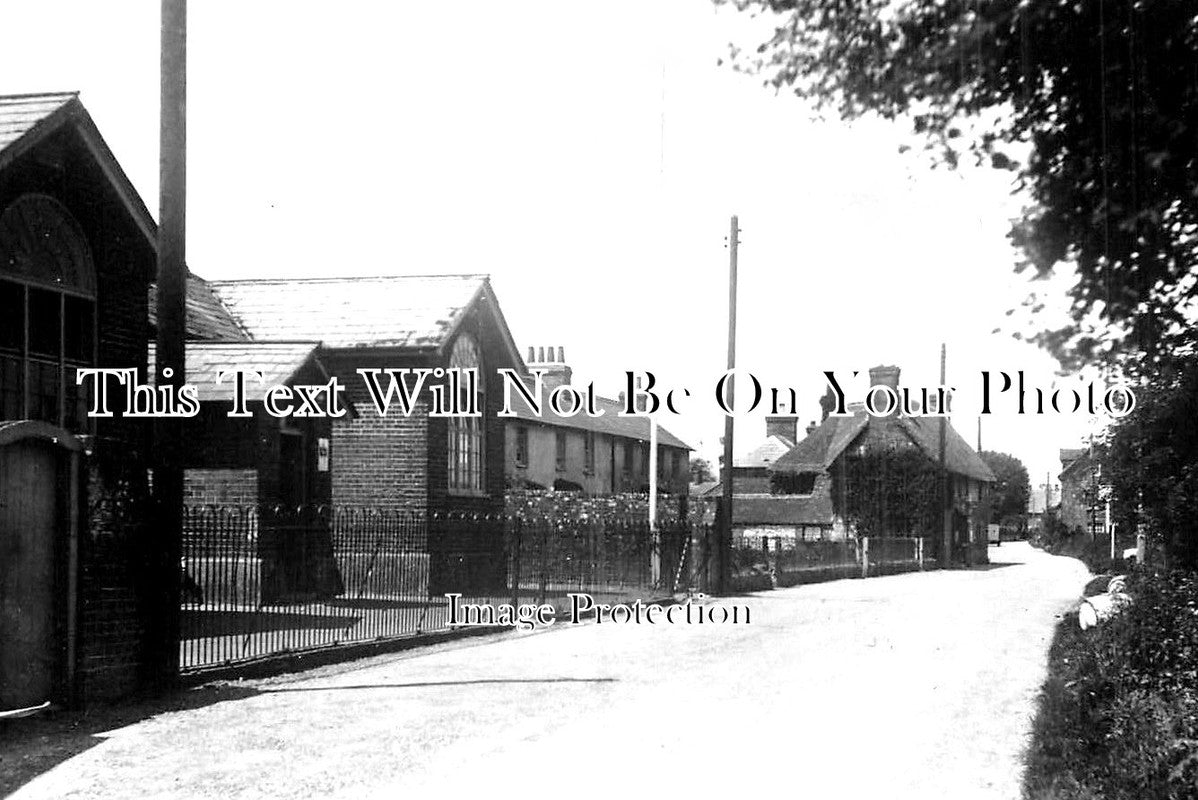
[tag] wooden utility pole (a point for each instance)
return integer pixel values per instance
(655, 553)
(165, 541)
(946, 549)
(725, 548)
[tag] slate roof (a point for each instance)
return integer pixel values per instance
(782, 509)
(825, 444)
(410, 311)
(20, 114)
(609, 423)
(279, 363)
(817, 451)
(207, 318)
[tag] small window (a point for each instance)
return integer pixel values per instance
(629, 451)
(589, 452)
(522, 446)
(561, 451)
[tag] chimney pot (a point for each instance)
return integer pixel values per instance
(532, 354)
(561, 354)
(541, 354)
(811, 426)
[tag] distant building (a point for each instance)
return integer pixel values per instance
(607, 454)
(1079, 483)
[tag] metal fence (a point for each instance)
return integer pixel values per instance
(257, 584)
(762, 562)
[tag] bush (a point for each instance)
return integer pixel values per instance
(1118, 716)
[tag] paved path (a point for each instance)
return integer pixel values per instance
(918, 685)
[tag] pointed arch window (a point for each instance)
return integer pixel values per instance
(467, 467)
(47, 312)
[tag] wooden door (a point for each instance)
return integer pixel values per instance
(30, 573)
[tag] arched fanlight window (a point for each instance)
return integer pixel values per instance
(47, 312)
(467, 473)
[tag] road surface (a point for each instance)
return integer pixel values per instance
(911, 686)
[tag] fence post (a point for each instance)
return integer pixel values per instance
(515, 540)
(919, 552)
(864, 557)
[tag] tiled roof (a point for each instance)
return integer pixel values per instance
(609, 423)
(817, 451)
(1071, 454)
(207, 318)
(825, 444)
(960, 457)
(401, 311)
(702, 489)
(766, 453)
(277, 361)
(1079, 458)
(19, 114)
(815, 509)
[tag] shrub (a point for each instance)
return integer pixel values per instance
(1118, 716)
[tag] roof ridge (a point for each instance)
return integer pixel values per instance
(247, 342)
(35, 95)
(328, 278)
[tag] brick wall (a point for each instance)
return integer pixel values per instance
(220, 487)
(380, 462)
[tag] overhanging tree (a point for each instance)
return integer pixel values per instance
(1103, 94)
(1151, 463)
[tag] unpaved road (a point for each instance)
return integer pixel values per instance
(911, 686)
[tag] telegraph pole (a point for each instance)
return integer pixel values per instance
(164, 548)
(655, 554)
(946, 548)
(725, 533)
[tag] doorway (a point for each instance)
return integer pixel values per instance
(38, 558)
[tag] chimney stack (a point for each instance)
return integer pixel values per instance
(885, 375)
(557, 372)
(786, 427)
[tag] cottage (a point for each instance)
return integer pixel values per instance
(878, 476)
(595, 455)
(77, 254)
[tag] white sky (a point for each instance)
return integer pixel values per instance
(588, 156)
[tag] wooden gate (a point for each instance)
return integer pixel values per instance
(38, 563)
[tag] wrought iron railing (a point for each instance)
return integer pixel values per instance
(258, 583)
